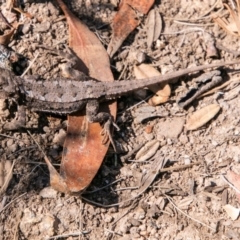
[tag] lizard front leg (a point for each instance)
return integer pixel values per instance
(93, 115)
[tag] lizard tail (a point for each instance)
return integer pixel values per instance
(119, 88)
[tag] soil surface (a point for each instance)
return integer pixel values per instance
(188, 199)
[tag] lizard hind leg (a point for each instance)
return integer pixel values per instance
(102, 117)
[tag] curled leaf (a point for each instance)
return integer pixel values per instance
(162, 90)
(202, 116)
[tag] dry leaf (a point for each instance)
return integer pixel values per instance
(231, 211)
(147, 151)
(83, 149)
(202, 116)
(162, 90)
(154, 27)
(126, 20)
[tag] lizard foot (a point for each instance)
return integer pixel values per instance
(106, 132)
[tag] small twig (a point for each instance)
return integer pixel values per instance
(5, 20)
(193, 24)
(30, 65)
(114, 233)
(129, 154)
(12, 202)
(185, 31)
(37, 144)
(99, 189)
(195, 220)
(219, 87)
(8, 136)
(175, 168)
(7, 179)
(42, 163)
(74, 234)
(230, 184)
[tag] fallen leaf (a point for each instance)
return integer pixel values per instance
(162, 90)
(147, 151)
(231, 211)
(126, 20)
(154, 27)
(83, 150)
(202, 116)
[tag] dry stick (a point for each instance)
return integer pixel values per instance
(230, 184)
(194, 24)
(189, 30)
(30, 65)
(129, 154)
(12, 202)
(143, 190)
(37, 144)
(195, 220)
(219, 87)
(99, 189)
(114, 233)
(8, 136)
(7, 179)
(74, 234)
(179, 167)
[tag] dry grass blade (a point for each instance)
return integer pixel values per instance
(7, 173)
(231, 25)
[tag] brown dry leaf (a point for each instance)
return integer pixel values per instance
(162, 90)
(154, 27)
(83, 149)
(231, 25)
(202, 116)
(126, 20)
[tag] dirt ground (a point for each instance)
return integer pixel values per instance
(185, 202)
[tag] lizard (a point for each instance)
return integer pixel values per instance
(66, 96)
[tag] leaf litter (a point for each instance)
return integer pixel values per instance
(205, 148)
